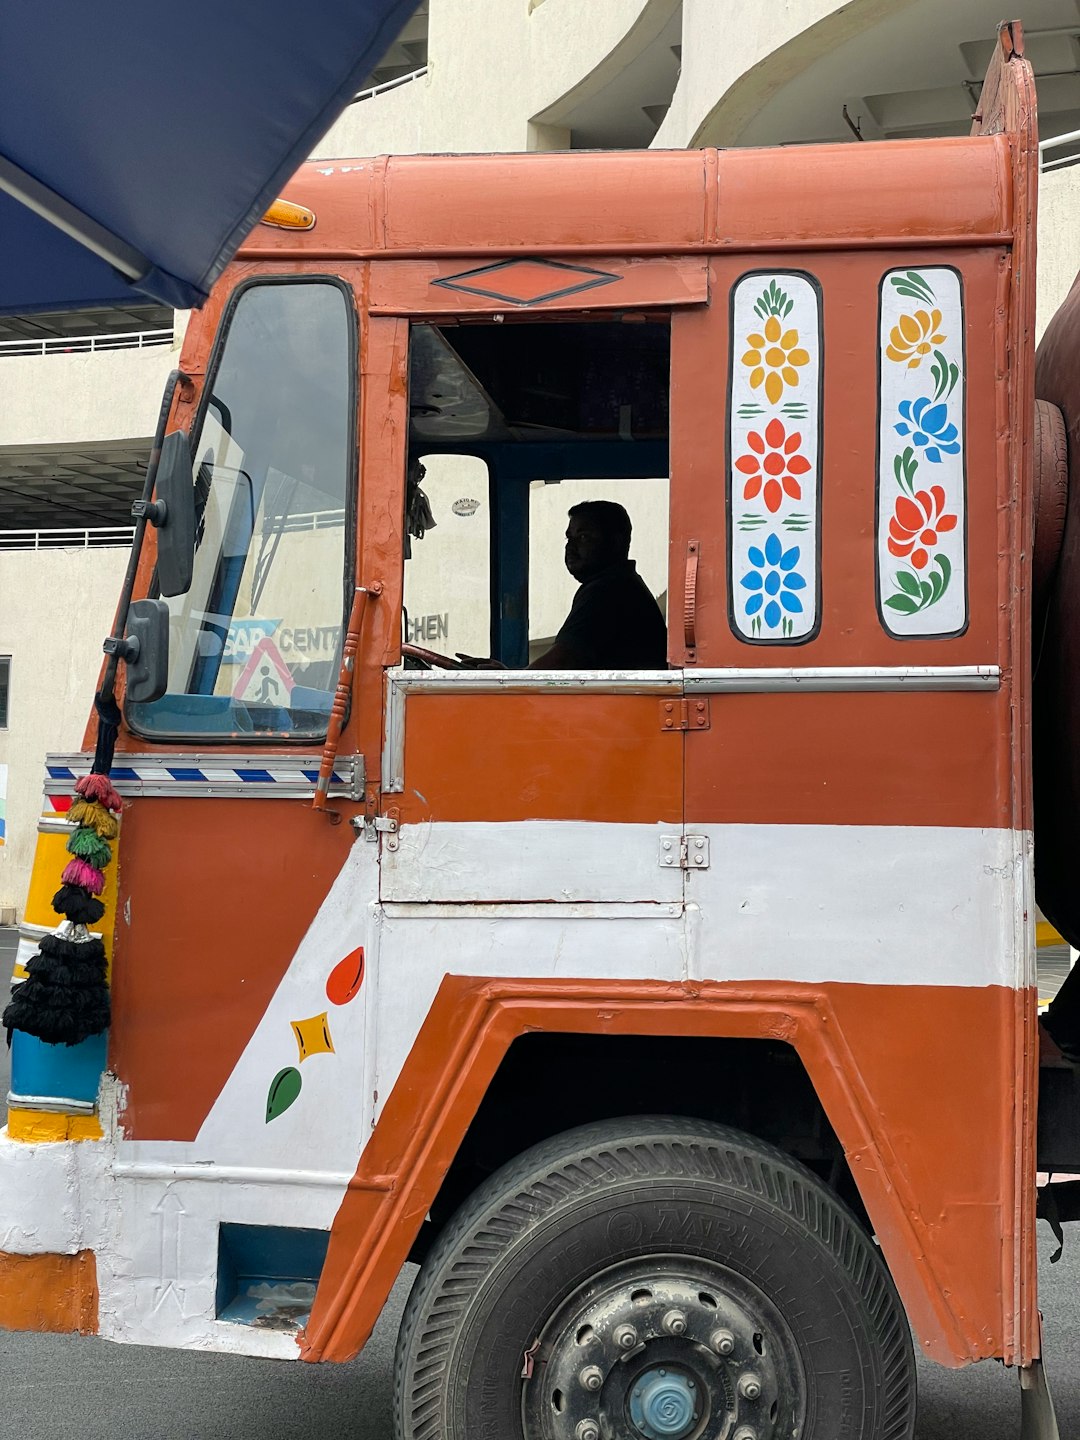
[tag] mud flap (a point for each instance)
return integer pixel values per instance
(1037, 1419)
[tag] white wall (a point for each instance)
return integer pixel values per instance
(1059, 240)
(77, 399)
(56, 607)
(493, 65)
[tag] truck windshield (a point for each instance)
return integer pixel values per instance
(254, 644)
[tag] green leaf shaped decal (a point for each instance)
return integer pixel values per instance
(284, 1088)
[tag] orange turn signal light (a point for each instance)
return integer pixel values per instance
(287, 216)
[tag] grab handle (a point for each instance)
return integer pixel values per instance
(693, 550)
(340, 707)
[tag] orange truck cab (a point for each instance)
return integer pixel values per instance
(678, 1019)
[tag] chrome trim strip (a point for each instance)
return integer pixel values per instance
(51, 1103)
(211, 773)
(393, 756)
(562, 910)
(492, 682)
(242, 1174)
(55, 825)
(748, 678)
(763, 681)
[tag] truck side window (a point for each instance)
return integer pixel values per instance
(562, 416)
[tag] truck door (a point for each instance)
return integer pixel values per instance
(513, 785)
(839, 617)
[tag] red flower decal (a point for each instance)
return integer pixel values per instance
(917, 523)
(773, 466)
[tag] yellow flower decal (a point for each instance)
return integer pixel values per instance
(775, 358)
(915, 336)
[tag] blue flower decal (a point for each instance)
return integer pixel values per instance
(773, 580)
(929, 427)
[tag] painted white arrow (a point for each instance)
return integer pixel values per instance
(170, 1208)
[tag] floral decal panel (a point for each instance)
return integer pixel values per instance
(921, 566)
(774, 457)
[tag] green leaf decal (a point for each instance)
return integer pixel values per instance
(773, 301)
(915, 594)
(912, 284)
(905, 467)
(945, 375)
(903, 604)
(284, 1089)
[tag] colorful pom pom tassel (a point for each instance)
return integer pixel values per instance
(94, 815)
(89, 846)
(99, 788)
(78, 872)
(78, 905)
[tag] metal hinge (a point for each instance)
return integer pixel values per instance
(684, 715)
(687, 852)
(371, 824)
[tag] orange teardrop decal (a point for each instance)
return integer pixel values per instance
(346, 978)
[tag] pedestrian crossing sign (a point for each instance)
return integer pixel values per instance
(265, 679)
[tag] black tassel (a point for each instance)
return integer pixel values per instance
(64, 999)
(78, 905)
(108, 728)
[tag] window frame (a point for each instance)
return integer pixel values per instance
(352, 486)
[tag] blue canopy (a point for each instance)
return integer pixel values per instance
(139, 143)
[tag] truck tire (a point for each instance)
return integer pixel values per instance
(654, 1279)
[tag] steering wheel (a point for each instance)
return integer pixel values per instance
(431, 657)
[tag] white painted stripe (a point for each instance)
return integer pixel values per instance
(867, 904)
(534, 860)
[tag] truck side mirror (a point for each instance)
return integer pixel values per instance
(172, 514)
(145, 649)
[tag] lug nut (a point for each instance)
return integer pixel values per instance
(722, 1341)
(587, 1430)
(749, 1387)
(592, 1377)
(674, 1322)
(625, 1337)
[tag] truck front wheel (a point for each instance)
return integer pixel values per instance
(654, 1279)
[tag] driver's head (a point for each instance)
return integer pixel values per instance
(597, 536)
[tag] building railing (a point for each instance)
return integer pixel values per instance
(84, 344)
(389, 85)
(92, 537)
(1046, 146)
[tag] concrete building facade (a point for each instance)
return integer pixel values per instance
(80, 393)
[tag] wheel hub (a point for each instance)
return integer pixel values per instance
(663, 1348)
(663, 1405)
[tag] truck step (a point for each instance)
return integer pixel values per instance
(267, 1275)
